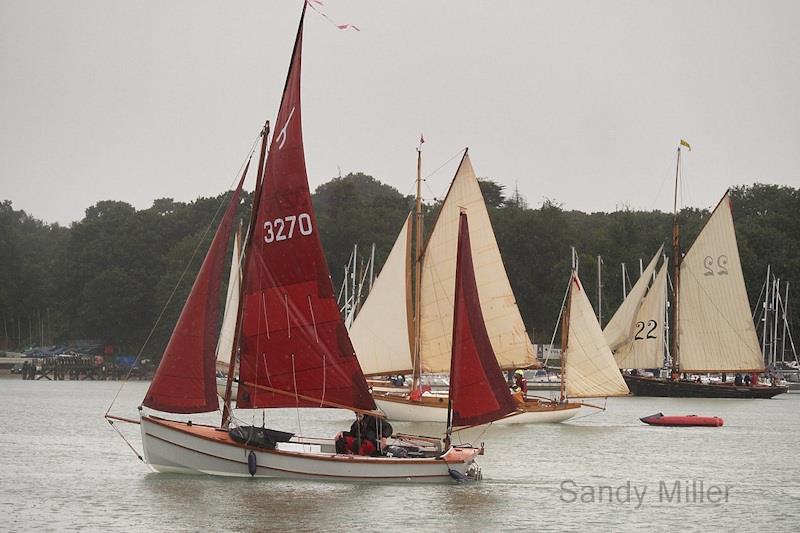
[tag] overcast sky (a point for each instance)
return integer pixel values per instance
(580, 102)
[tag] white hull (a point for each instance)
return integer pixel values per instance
(414, 412)
(177, 447)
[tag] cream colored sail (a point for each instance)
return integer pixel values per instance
(380, 332)
(644, 348)
(503, 320)
(228, 329)
(715, 328)
(588, 367)
(618, 330)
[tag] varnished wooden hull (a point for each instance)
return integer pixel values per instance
(179, 447)
(434, 409)
(660, 387)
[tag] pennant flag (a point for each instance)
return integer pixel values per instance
(684, 143)
(421, 139)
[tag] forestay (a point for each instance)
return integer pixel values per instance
(503, 320)
(715, 328)
(381, 332)
(589, 368)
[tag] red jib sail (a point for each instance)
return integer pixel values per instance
(478, 392)
(294, 348)
(185, 380)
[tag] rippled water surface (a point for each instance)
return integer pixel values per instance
(62, 468)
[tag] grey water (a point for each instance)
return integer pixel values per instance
(63, 468)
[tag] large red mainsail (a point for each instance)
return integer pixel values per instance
(185, 381)
(478, 392)
(294, 348)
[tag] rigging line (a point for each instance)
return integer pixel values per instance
(460, 152)
(758, 301)
(558, 321)
(111, 422)
(180, 279)
(296, 398)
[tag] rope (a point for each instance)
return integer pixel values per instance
(558, 321)
(183, 274)
(296, 398)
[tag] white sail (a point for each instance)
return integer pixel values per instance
(228, 330)
(380, 332)
(715, 328)
(504, 324)
(644, 348)
(618, 330)
(588, 367)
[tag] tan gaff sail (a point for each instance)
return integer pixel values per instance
(228, 330)
(380, 332)
(644, 348)
(504, 324)
(618, 330)
(715, 328)
(589, 368)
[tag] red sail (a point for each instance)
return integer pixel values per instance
(478, 392)
(185, 381)
(294, 348)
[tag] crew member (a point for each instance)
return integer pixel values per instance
(520, 382)
(367, 436)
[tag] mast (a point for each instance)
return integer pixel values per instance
(599, 291)
(226, 404)
(565, 329)
(624, 288)
(676, 274)
(784, 304)
(766, 314)
(416, 361)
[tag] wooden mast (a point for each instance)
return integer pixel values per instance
(417, 361)
(676, 276)
(226, 404)
(565, 329)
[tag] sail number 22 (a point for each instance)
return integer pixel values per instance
(283, 228)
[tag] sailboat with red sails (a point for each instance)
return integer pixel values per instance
(291, 346)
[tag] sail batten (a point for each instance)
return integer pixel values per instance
(478, 392)
(589, 367)
(502, 317)
(293, 339)
(715, 328)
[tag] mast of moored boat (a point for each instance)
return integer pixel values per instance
(676, 273)
(416, 361)
(226, 404)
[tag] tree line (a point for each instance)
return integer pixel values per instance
(118, 271)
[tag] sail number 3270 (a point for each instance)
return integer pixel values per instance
(284, 228)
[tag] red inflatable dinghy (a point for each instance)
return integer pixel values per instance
(685, 420)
